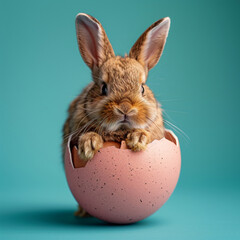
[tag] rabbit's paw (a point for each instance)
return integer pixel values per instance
(88, 144)
(81, 213)
(137, 140)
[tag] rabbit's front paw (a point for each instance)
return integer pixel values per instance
(137, 140)
(88, 144)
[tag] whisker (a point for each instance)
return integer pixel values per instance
(167, 115)
(101, 127)
(175, 111)
(155, 124)
(86, 128)
(76, 131)
(178, 130)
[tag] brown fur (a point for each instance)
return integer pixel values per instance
(121, 74)
(94, 118)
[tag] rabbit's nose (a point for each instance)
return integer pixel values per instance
(126, 109)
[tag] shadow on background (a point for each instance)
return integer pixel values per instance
(49, 218)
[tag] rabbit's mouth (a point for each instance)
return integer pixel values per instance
(126, 124)
(123, 124)
(125, 121)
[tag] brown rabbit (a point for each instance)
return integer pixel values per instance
(117, 105)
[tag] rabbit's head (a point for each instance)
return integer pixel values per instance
(119, 97)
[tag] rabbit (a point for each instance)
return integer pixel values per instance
(117, 105)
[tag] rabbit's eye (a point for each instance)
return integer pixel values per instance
(104, 89)
(143, 89)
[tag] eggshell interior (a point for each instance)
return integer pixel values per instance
(121, 186)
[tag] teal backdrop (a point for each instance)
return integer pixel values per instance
(197, 81)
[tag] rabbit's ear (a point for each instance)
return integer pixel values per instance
(148, 48)
(93, 42)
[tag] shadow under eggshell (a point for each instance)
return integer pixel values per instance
(121, 186)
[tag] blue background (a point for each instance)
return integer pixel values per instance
(197, 82)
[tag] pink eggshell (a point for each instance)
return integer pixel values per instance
(121, 186)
